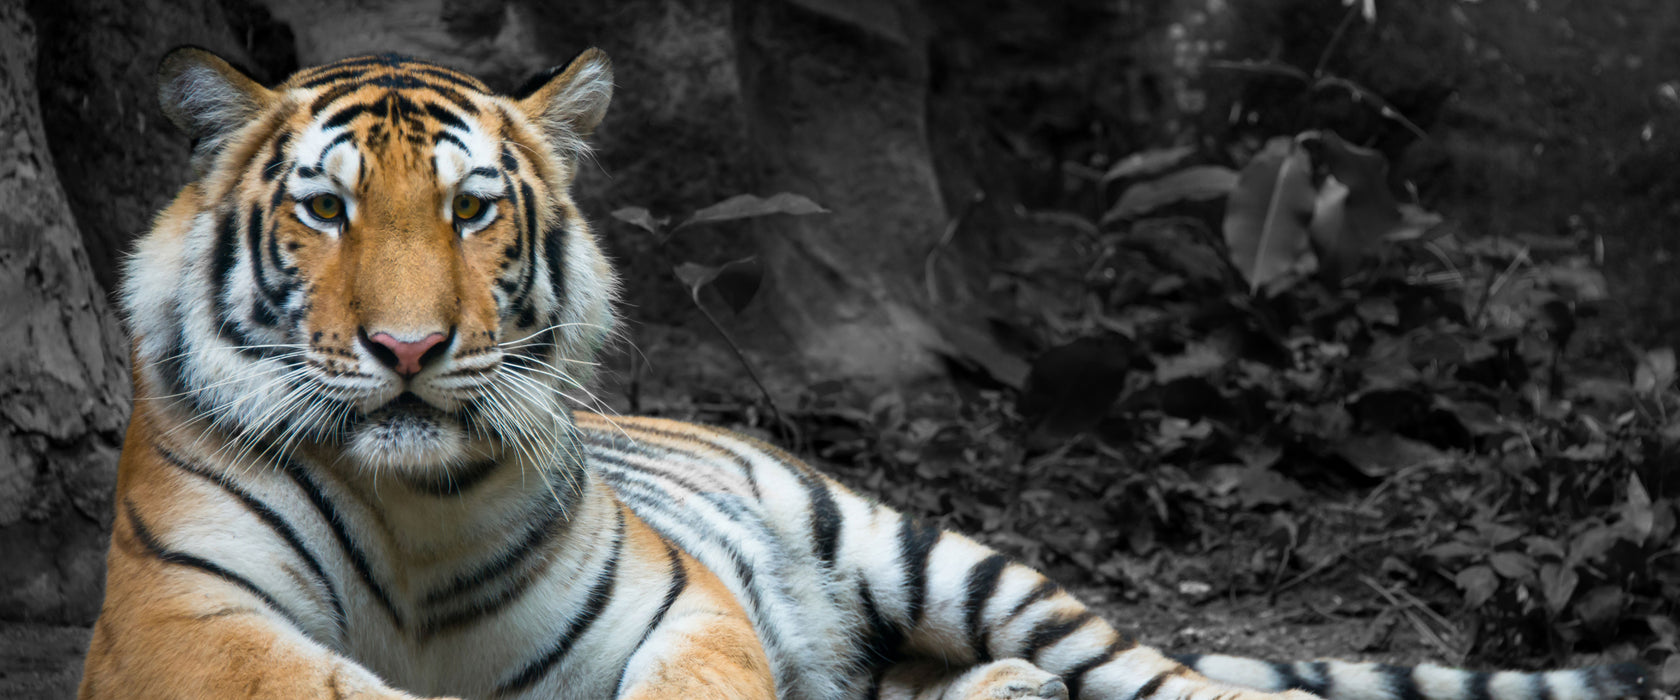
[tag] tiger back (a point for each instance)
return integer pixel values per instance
(353, 469)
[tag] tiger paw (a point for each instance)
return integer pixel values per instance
(1007, 679)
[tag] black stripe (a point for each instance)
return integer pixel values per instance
(1153, 684)
(274, 521)
(334, 74)
(523, 550)
(1044, 589)
(454, 483)
(335, 522)
(1400, 681)
(982, 583)
(650, 499)
(1476, 685)
(344, 116)
(167, 556)
(327, 98)
(1287, 678)
(593, 604)
(339, 140)
(478, 609)
(825, 514)
(443, 136)
(679, 582)
(445, 117)
(915, 543)
(526, 237)
(460, 79)
(509, 163)
(276, 296)
(1321, 682)
(554, 253)
(1541, 690)
(614, 460)
(880, 647)
(271, 169)
(1051, 630)
(484, 171)
(1075, 677)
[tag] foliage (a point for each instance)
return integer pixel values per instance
(736, 281)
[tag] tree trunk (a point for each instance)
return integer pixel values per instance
(62, 371)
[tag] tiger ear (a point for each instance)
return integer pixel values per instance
(207, 98)
(569, 103)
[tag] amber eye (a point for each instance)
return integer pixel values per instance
(466, 207)
(326, 207)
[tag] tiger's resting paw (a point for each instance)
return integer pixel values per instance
(1006, 679)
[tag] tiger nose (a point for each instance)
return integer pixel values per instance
(405, 357)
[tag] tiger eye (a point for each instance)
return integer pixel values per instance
(327, 207)
(467, 207)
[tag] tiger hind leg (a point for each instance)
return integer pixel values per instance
(1005, 679)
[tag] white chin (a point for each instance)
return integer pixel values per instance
(414, 441)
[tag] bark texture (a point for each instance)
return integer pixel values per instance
(64, 387)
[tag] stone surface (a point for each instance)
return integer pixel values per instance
(119, 159)
(64, 387)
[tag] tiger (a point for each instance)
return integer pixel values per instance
(355, 469)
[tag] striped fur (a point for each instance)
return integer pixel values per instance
(352, 471)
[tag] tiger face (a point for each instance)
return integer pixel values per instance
(378, 256)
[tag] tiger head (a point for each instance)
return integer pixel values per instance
(378, 256)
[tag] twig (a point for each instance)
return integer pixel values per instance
(1335, 39)
(1423, 629)
(1316, 569)
(950, 233)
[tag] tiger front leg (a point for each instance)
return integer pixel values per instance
(172, 628)
(702, 646)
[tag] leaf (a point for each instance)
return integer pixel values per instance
(1655, 373)
(1543, 546)
(1268, 213)
(1258, 486)
(1147, 162)
(1198, 183)
(1478, 584)
(736, 281)
(640, 218)
(1557, 585)
(1601, 607)
(1383, 454)
(1451, 550)
(1637, 513)
(1197, 360)
(746, 206)
(1417, 224)
(1354, 208)
(1512, 565)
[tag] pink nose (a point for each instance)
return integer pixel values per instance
(405, 358)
